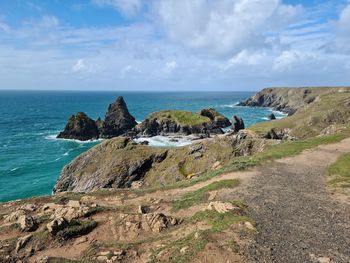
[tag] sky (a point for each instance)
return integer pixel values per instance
(232, 45)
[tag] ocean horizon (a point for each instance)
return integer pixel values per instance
(31, 157)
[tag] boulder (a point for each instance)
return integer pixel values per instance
(272, 116)
(223, 207)
(22, 242)
(217, 118)
(27, 223)
(80, 127)
(118, 120)
(237, 124)
(57, 225)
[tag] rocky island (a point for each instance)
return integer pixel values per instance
(206, 202)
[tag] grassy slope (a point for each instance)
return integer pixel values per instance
(340, 172)
(311, 120)
(181, 117)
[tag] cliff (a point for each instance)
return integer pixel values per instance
(287, 100)
(119, 162)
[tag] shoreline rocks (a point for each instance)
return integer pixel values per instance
(80, 127)
(287, 100)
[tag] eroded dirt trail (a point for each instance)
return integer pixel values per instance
(298, 219)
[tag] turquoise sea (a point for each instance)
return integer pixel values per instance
(31, 158)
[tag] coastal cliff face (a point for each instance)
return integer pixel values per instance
(287, 100)
(314, 111)
(118, 162)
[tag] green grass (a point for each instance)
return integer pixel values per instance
(184, 118)
(340, 171)
(200, 195)
(330, 109)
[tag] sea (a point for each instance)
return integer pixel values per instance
(31, 157)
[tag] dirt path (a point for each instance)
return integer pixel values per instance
(298, 220)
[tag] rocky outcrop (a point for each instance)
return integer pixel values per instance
(118, 120)
(114, 163)
(207, 122)
(271, 117)
(118, 162)
(216, 118)
(237, 124)
(287, 100)
(80, 127)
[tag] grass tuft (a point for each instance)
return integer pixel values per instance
(340, 171)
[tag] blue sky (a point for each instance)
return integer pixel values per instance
(173, 45)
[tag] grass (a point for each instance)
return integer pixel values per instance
(330, 108)
(184, 118)
(340, 171)
(197, 240)
(200, 195)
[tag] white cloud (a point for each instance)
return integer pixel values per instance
(81, 66)
(223, 27)
(170, 66)
(342, 28)
(126, 7)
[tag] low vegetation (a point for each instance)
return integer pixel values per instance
(182, 117)
(328, 109)
(340, 172)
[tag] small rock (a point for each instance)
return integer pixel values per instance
(196, 235)
(56, 225)
(29, 207)
(27, 223)
(73, 203)
(216, 165)
(212, 195)
(142, 209)
(136, 184)
(102, 258)
(249, 225)
(184, 250)
(14, 216)
(221, 207)
(105, 253)
(22, 242)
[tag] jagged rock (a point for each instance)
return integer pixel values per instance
(73, 204)
(272, 116)
(237, 124)
(284, 134)
(181, 122)
(118, 120)
(80, 127)
(56, 225)
(22, 242)
(217, 119)
(27, 223)
(14, 216)
(222, 208)
(28, 207)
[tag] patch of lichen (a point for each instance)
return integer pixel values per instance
(332, 108)
(183, 118)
